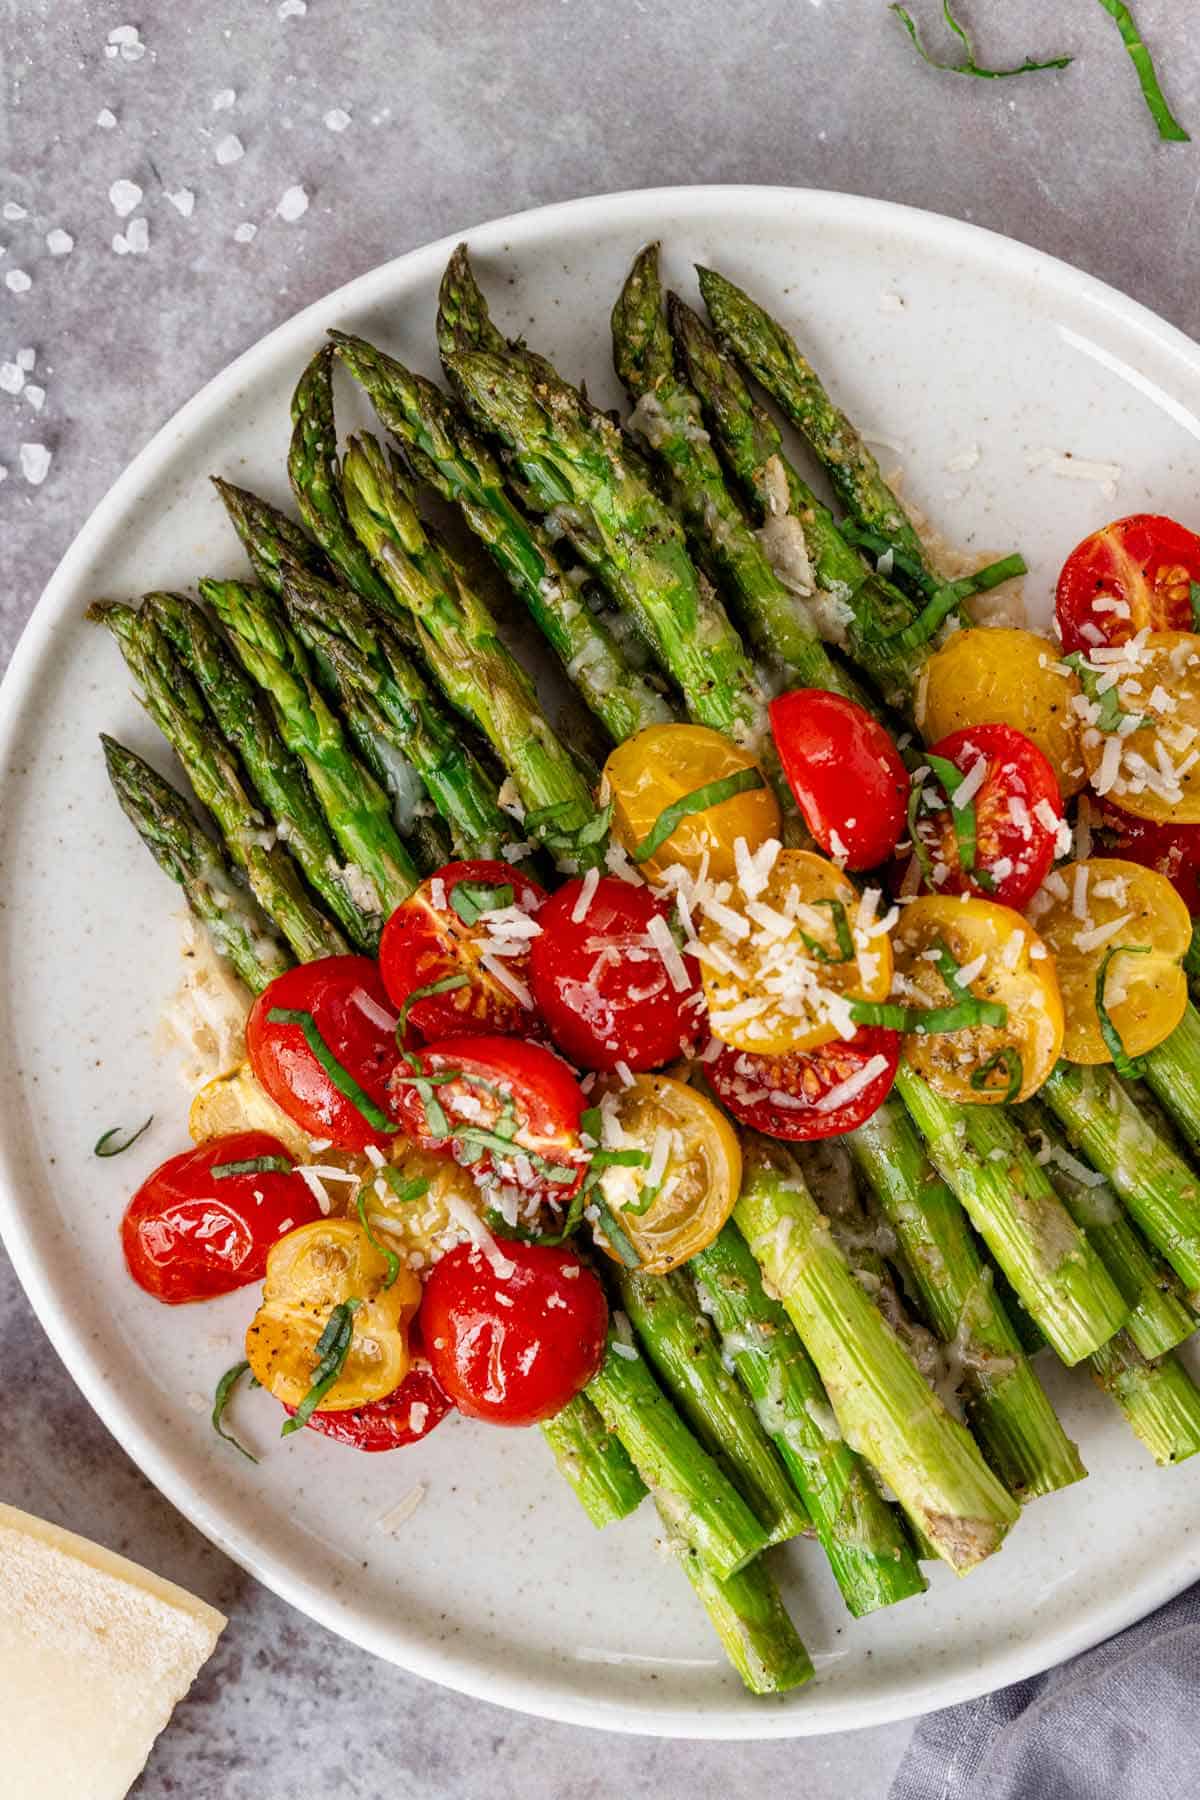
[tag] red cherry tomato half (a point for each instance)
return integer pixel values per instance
(190, 1233)
(1174, 850)
(602, 984)
(1018, 809)
(486, 1088)
(357, 1026)
(845, 772)
(1134, 573)
(514, 1337)
(402, 1417)
(447, 927)
(809, 1093)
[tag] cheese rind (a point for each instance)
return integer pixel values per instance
(94, 1654)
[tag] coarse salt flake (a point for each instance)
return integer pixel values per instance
(229, 150)
(245, 233)
(292, 9)
(18, 282)
(14, 210)
(35, 463)
(106, 120)
(184, 202)
(224, 100)
(12, 378)
(125, 196)
(336, 119)
(26, 359)
(59, 242)
(36, 396)
(137, 236)
(293, 205)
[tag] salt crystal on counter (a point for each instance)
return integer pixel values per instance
(293, 205)
(183, 201)
(59, 242)
(229, 150)
(18, 282)
(35, 463)
(125, 195)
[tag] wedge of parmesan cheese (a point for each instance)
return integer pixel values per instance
(94, 1655)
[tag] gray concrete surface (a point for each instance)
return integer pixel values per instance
(458, 112)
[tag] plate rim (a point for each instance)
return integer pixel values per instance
(744, 1718)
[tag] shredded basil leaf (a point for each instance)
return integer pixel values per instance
(253, 1165)
(568, 842)
(333, 1346)
(471, 899)
(877, 545)
(1107, 699)
(699, 800)
(406, 1192)
(1009, 1062)
(102, 1143)
(1168, 125)
(389, 1256)
(950, 779)
(1125, 1065)
(969, 66)
(221, 1398)
(966, 1012)
(591, 1123)
(446, 985)
(616, 1237)
(1194, 596)
(341, 1077)
(570, 1224)
(841, 926)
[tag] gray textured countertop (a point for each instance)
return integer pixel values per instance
(402, 121)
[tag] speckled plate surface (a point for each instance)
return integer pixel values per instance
(970, 359)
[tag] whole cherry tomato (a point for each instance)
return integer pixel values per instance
(845, 772)
(203, 1222)
(468, 1096)
(1132, 574)
(1173, 850)
(403, 1417)
(513, 1337)
(1002, 840)
(809, 1093)
(474, 922)
(328, 1064)
(601, 980)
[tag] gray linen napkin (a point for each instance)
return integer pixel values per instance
(1120, 1722)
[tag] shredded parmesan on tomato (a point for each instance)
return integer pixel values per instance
(853, 1086)
(585, 896)
(659, 933)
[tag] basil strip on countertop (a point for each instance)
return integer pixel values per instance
(341, 1077)
(333, 1346)
(969, 66)
(699, 800)
(1169, 127)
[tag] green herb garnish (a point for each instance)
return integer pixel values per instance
(221, 1398)
(341, 1077)
(415, 1188)
(841, 928)
(1107, 699)
(446, 985)
(1168, 125)
(1125, 1065)
(969, 66)
(471, 899)
(1008, 1061)
(389, 1256)
(104, 1146)
(570, 841)
(333, 1346)
(699, 800)
(966, 1011)
(950, 779)
(253, 1165)
(1194, 597)
(616, 1237)
(946, 599)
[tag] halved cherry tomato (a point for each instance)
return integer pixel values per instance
(1171, 850)
(1132, 574)
(513, 1337)
(1002, 962)
(994, 675)
(665, 763)
(403, 1417)
(845, 772)
(602, 983)
(679, 1173)
(1016, 814)
(811, 1093)
(783, 964)
(1146, 753)
(469, 920)
(471, 1095)
(309, 1272)
(199, 1226)
(1090, 914)
(352, 1015)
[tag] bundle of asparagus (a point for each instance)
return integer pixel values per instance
(358, 708)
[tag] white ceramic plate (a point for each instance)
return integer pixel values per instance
(967, 353)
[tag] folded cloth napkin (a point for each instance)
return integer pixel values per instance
(1121, 1722)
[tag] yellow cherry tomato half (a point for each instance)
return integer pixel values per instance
(412, 1206)
(1153, 769)
(309, 1272)
(991, 675)
(1003, 962)
(664, 764)
(1093, 915)
(673, 1203)
(782, 964)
